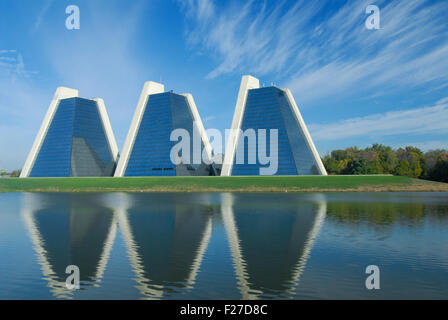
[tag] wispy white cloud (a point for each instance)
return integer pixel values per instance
(424, 120)
(442, 101)
(247, 33)
(7, 51)
(424, 146)
(8, 61)
(209, 118)
(41, 15)
(12, 65)
(321, 54)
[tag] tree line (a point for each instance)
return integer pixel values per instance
(381, 159)
(13, 174)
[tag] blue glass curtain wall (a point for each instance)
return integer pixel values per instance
(75, 144)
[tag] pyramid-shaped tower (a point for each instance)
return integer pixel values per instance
(270, 108)
(148, 146)
(75, 139)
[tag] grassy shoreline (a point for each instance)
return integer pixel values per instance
(372, 183)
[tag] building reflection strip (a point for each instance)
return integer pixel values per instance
(34, 203)
(235, 249)
(312, 236)
(147, 286)
(239, 261)
(166, 245)
(154, 292)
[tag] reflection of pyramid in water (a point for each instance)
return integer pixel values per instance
(270, 242)
(166, 244)
(69, 231)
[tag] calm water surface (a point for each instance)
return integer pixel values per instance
(224, 246)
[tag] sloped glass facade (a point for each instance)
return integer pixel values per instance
(150, 154)
(268, 108)
(75, 144)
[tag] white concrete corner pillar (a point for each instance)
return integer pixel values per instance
(149, 88)
(309, 141)
(199, 125)
(61, 93)
(107, 127)
(247, 83)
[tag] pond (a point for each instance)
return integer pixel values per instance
(224, 245)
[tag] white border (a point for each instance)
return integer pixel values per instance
(305, 133)
(107, 128)
(149, 88)
(247, 83)
(61, 93)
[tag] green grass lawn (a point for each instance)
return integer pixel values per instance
(221, 184)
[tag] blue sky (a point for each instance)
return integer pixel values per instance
(354, 86)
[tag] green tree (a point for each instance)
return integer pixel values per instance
(386, 156)
(331, 164)
(415, 160)
(416, 150)
(410, 166)
(430, 160)
(440, 171)
(339, 155)
(362, 166)
(403, 168)
(15, 173)
(409, 161)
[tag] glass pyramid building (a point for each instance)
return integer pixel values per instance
(270, 108)
(75, 139)
(148, 145)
